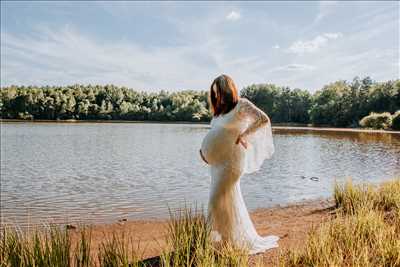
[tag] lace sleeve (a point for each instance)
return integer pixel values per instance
(255, 115)
(257, 133)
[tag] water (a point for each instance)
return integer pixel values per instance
(90, 172)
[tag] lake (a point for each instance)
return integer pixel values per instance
(102, 172)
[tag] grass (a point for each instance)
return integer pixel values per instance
(118, 250)
(189, 243)
(365, 230)
(52, 247)
(188, 239)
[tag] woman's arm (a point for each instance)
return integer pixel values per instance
(258, 118)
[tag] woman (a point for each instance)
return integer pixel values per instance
(238, 142)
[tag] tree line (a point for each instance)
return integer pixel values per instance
(340, 103)
(101, 103)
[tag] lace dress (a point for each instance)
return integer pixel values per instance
(228, 161)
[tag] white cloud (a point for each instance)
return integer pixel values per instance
(325, 8)
(59, 56)
(310, 46)
(333, 35)
(233, 15)
(296, 67)
(300, 67)
(65, 56)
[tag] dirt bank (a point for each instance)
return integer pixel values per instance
(291, 223)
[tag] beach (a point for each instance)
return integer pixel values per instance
(291, 223)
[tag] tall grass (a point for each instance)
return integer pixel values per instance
(48, 249)
(364, 232)
(189, 243)
(52, 247)
(121, 250)
(350, 198)
(188, 239)
(82, 254)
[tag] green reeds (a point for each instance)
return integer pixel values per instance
(119, 251)
(51, 247)
(189, 243)
(82, 253)
(364, 232)
(188, 239)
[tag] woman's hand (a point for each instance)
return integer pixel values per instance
(242, 141)
(202, 156)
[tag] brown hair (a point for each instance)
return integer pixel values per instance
(223, 95)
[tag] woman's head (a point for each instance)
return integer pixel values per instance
(223, 95)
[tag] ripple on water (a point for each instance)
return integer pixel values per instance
(104, 172)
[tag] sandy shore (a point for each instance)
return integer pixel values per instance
(291, 223)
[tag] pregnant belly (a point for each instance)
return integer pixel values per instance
(219, 146)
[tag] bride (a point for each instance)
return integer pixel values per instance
(238, 142)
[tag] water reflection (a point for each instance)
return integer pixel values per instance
(354, 136)
(103, 172)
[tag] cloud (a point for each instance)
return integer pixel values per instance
(201, 49)
(233, 15)
(65, 56)
(296, 67)
(333, 35)
(310, 46)
(325, 8)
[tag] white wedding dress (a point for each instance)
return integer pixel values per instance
(227, 211)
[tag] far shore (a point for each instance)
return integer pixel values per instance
(276, 126)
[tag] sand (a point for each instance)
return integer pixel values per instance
(291, 223)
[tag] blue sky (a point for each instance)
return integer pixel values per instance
(184, 45)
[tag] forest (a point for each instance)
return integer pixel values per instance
(339, 104)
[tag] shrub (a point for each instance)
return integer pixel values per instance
(396, 121)
(377, 120)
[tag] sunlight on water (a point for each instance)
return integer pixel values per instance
(91, 172)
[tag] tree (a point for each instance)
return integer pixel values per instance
(339, 103)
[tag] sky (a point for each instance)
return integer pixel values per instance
(152, 46)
